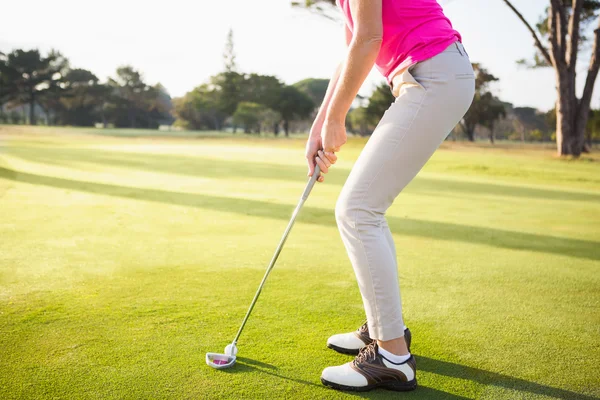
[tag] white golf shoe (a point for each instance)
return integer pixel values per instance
(353, 342)
(371, 370)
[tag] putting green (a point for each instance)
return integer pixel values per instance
(123, 260)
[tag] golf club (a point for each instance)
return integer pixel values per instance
(227, 359)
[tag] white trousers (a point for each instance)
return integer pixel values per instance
(431, 98)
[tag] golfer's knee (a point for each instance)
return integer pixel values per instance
(354, 214)
(351, 213)
(343, 212)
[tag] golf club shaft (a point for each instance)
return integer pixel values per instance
(307, 190)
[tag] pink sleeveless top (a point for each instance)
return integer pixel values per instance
(413, 31)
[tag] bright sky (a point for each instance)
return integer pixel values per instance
(179, 43)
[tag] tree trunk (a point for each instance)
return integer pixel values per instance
(131, 118)
(32, 107)
(286, 128)
(565, 116)
(491, 136)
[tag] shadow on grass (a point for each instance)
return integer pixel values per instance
(405, 226)
(254, 363)
(206, 167)
(494, 379)
(245, 365)
(444, 368)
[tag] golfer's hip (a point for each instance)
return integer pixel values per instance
(442, 72)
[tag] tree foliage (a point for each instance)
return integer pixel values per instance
(379, 102)
(250, 116)
(322, 7)
(28, 77)
(313, 88)
(199, 109)
(81, 100)
(134, 103)
(292, 104)
(486, 109)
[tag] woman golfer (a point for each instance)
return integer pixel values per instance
(414, 46)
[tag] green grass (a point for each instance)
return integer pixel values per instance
(123, 260)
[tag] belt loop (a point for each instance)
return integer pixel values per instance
(458, 48)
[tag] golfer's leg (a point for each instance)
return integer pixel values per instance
(390, 239)
(408, 134)
(360, 215)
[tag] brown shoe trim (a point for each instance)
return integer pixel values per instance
(363, 334)
(370, 365)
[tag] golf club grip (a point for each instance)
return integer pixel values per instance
(311, 182)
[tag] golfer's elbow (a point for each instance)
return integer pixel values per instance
(368, 42)
(368, 39)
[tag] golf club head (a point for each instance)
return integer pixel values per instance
(220, 361)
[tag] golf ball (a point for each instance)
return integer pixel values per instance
(231, 350)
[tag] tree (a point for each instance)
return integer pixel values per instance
(230, 80)
(28, 76)
(564, 29)
(261, 89)
(132, 101)
(313, 3)
(317, 6)
(199, 109)
(5, 79)
(80, 100)
(162, 107)
(292, 103)
(593, 127)
(358, 121)
(314, 88)
(269, 119)
(381, 99)
(249, 115)
(485, 109)
(266, 90)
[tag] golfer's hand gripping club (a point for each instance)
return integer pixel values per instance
(303, 198)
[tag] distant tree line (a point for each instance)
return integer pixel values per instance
(34, 85)
(253, 102)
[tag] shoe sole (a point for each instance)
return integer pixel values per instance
(343, 350)
(396, 386)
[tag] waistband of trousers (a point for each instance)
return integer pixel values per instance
(456, 47)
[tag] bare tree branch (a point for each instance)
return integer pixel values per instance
(538, 43)
(553, 35)
(562, 28)
(574, 24)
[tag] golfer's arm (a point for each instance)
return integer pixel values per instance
(360, 58)
(328, 95)
(332, 84)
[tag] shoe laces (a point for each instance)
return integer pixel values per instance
(367, 354)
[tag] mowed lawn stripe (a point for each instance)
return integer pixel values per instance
(117, 289)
